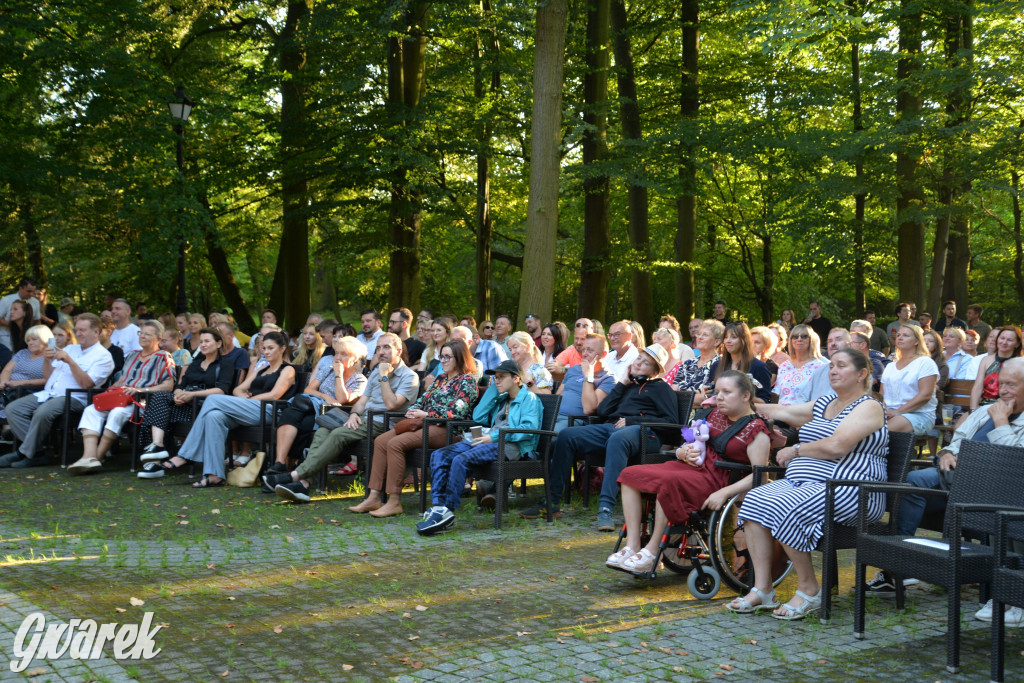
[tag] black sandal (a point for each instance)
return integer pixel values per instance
(205, 483)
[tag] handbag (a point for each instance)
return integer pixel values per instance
(245, 477)
(112, 398)
(332, 419)
(409, 424)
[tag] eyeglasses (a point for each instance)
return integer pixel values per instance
(800, 336)
(394, 322)
(615, 335)
(444, 358)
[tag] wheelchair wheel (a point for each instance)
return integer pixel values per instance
(704, 587)
(670, 556)
(729, 550)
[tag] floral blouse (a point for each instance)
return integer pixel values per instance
(794, 384)
(541, 376)
(452, 399)
(690, 376)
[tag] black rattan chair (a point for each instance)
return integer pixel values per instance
(1007, 583)
(837, 536)
(988, 479)
(503, 471)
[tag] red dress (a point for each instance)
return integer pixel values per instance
(682, 488)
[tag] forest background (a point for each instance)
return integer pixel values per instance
(609, 158)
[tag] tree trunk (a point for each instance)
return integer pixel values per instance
(290, 293)
(594, 272)
(406, 67)
(1018, 254)
(218, 259)
(536, 294)
(639, 226)
(483, 178)
(910, 195)
(686, 204)
(959, 105)
(859, 196)
(35, 248)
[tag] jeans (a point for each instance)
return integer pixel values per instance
(448, 468)
(914, 508)
(618, 446)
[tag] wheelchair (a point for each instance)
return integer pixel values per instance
(708, 548)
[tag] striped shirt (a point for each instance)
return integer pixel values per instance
(147, 372)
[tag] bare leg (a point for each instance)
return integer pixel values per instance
(660, 521)
(372, 502)
(158, 436)
(900, 424)
(806, 579)
(759, 544)
(285, 438)
(89, 442)
(632, 509)
(108, 439)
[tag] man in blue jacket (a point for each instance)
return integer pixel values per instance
(505, 405)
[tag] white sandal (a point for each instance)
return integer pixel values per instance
(615, 559)
(811, 605)
(640, 563)
(768, 601)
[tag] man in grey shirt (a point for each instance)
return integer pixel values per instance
(391, 386)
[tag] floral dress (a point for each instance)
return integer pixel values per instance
(690, 376)
(452, 399)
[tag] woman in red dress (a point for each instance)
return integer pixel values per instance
(682, 486)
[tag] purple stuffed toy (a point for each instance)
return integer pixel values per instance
(698, 434)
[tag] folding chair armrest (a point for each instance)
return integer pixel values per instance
(735, 466)
(585, 419)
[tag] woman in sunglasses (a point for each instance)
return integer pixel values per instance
(794, 381)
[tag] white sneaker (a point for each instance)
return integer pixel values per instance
(985, 613)
(1013, 617)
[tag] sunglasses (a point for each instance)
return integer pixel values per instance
(488, 327)
(579, 325)
(800, 336)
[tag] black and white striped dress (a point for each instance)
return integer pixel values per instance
(793, 509)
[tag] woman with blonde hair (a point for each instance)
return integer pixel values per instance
(64, 333)
(781, 343)
(440, 334)
(196, 323)
(908, 384)
(523, 351)
(794, 377)
(763, 344)
(311, 350)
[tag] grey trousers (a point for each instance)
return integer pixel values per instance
(31, 421)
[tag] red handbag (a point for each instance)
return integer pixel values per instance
(110, 399)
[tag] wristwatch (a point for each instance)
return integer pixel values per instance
(385, 379)
(796, 450)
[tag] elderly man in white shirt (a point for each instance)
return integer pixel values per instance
(76, 366)
(623, 350)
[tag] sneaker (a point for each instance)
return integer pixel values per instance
(271, 479)
(10, 458)
(882, 585)
(277, 468)
(153, 453)
(435, 520)
(151, 470)
(1012, 617)
(604, 520)
(540, 510)
(32, 462)
(294, 491)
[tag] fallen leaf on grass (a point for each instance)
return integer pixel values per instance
(523, 633)
(114, 524)
(311, 572)
(211, 566)
(414, 637)
(421, 608)
(589, 679)
(135, 602)
(362, 554)
(37, 672)
(725, 667)
(275, 526)
(231, 597)
(822, 661)
(183, 522)
(229, 625)
(347, 667)
(225, 674)
(220, 525)
(289, 539)
(682, 653)
(215, 511)
(164, 624)
(278, 629)
(565, 635)
(560, 641)
(406, 615)
(750, 642)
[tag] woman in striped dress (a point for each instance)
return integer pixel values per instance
(842, 436)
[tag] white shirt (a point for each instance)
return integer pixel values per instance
(95, 361)
(962, 366)
(900, 386)
(371, 342)
(617, 366)
(5, 313)
(127, 339)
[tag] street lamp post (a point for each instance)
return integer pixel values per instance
(181, 109)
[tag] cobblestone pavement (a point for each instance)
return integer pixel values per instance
(252, 590)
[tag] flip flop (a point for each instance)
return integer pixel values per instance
(205, 483)
(346, 471)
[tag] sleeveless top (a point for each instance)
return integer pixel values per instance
(265, 381)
